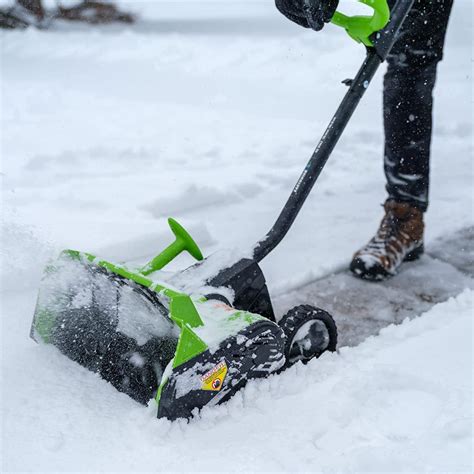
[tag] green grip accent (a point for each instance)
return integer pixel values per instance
(361, 27)
(183, 242)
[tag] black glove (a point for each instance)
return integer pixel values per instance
(308, 13)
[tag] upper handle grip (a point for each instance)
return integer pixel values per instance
(362, 27)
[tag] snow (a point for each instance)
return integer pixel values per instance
(401, 401)
(209, 111)
(133, 121)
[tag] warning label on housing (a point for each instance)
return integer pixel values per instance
(214, 379)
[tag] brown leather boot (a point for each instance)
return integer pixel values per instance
(398, 239)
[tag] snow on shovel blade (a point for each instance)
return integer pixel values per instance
(82, 309)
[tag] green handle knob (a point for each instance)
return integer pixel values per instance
(361, 27)
(183, 242)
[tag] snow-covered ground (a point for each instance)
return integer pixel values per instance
(398, 402)
(208, 111)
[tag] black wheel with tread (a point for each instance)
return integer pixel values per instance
(309, 332)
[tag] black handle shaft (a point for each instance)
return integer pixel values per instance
(383, 43)
(320, 156)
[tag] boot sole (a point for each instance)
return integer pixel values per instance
(415, 254)
(377, 273)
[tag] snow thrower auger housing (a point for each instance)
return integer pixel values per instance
(150, 339)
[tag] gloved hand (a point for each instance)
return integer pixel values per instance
(308, 13)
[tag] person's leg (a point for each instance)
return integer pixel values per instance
(408, 102)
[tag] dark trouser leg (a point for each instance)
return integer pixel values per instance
(408, 101)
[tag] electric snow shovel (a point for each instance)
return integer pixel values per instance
(146, 336)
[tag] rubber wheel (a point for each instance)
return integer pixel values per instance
(309, 332)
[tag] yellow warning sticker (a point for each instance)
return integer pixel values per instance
(214, 379)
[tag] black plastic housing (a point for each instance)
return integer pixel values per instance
(247, 281)
(255, 352)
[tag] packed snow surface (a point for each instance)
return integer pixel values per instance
(401, 401)
(208, 111)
